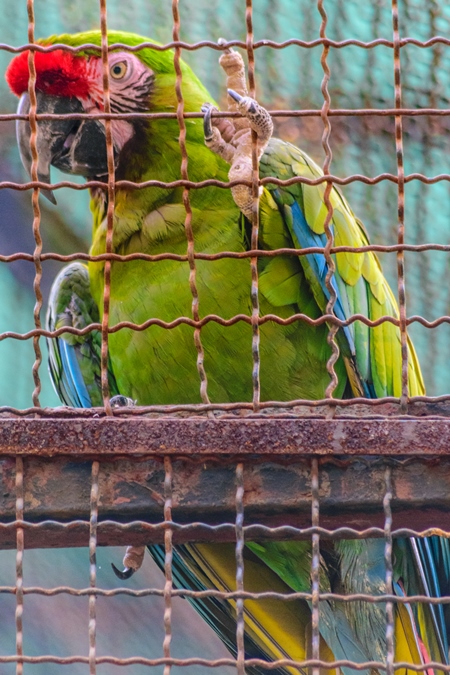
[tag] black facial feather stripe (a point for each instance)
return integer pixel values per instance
(138, 100)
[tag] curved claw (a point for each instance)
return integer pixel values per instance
(127, 573)
(241, 99)
(237, 97)
(207, 109)
(222, 41)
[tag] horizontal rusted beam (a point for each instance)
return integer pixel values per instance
(276, 494)
(241, 436)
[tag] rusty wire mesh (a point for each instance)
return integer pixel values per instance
(255, 320)
(318, 480)
(26, 436)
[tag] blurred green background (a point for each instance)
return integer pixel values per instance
(287, 78)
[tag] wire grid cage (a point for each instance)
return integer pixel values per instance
(246, 459)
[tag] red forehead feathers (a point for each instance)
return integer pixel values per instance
(58, 73)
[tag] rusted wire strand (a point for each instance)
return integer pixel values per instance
(329, 278)
(400, 205)
(315, 564)
(239, 528)
(236, 255)
(216, 663)
(304, 112)
(258, 44)
(389, 573)
(93, 566)
(250, 531)
(18, 589)
(325, 318)
(109, 210)
(168, 586)
(35, 206)
(254, 291)
(212, 182)
(138, 411)
(187, 205)
(222, 595)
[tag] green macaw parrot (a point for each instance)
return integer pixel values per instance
(159, 366)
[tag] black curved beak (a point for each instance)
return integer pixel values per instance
(72, 145)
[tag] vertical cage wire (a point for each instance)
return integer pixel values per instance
(93, 523)
(315, 566)
(110, 209)
(389, 572)
(20, 547)
(187, 205)
(36, 208)
(240, 620)
(254, 294)
(168, 586)
(333, 328)
(400, 204)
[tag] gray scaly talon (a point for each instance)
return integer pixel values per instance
(207, 109)
(237, 97)
(249, 104)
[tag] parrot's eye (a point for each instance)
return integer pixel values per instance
(118, 70)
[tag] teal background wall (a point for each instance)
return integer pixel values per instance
(288, 78)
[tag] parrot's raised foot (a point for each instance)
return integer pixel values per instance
(232, 140)
(132, 561)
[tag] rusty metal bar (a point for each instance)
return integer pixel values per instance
(242, 436)
(277, 499)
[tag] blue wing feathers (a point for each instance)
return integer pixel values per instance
(73, 378)
(307, 238)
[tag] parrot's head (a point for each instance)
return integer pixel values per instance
(70, 82)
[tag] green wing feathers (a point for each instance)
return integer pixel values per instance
(359, 281)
